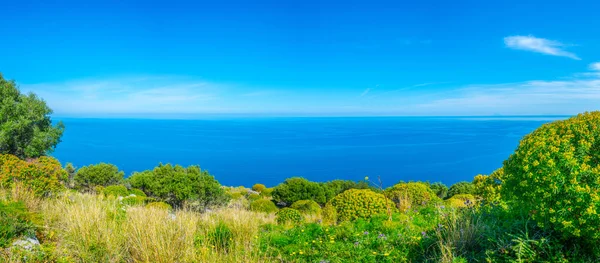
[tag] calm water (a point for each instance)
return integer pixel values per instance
(268, 150)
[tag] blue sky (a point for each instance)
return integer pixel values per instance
(305, 58)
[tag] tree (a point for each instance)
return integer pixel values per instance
(102, 174)
(440, 189)
(26, 129)
(181, 186)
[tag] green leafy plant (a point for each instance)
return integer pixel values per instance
(461, 188)
(159, 205)
(263, 205)
(115, 190)
(555, 176)
(44, 175)
(360, 203)
(295, 189)
(411, 195)
(309, 207)
(259, 187)
(102, 174)
(26, 129)
(289, 216)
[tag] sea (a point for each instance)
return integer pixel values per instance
(245, 151)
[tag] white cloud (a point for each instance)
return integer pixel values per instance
(365, 92)
(539, 45)
(595, 66)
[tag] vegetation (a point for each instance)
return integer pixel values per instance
(26, 129)
(102, 174)
(541, 206)
(179, 186)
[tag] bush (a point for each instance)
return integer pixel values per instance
(336, 187)
(409, 195)
(177, 186)
(289, 216)
(267, 192)
(461, 188)
(102, 174)
(440, 189)
(295, 189)
(115, 190)
(259, 187)
(462, 200)
(253, 197)
(159, 205)
(488, 186)
(263, 205)
(329, 214)
(44, 175)
(137, 192)
(554, 175)
(309, 207)
(360, 203)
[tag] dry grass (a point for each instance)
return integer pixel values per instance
(91, 228)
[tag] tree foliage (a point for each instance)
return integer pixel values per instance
(177, 186)
(26, 129)
(440, 189)
(555, 175)
(461, 188)
(102, 174)
(297, 188)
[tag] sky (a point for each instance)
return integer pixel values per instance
(304, 58)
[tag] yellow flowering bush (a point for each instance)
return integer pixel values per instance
(289, 216)
(488, 186)
(360, 203)
(43, 175)
(263, 205)
(461, 200)
(414, 194)
(159, 205)
(555, 175)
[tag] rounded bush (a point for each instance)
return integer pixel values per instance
(159, 205)
(134, 200)
(307, 207)
(409, 195)
(360, 203)
(259, 187)
(267, 192)
(44, 175)
(289, 216)
(462, 200)
(253, 197)
(102, 174)
(263, 205)
(488, 186)
(555, 176)
(329, 214)
(115, 190)
(137, 192)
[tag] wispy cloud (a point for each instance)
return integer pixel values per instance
(365, 92)
(539, 45)
(127, 95)
(595, 66)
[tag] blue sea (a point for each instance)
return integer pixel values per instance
(245, 151)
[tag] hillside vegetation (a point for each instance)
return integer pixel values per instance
(541, 206)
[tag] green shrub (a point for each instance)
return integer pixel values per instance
(411, 195)
(259, 187)
(440, 189)
(159, 205)
(102, 174)
(267, 192)
(461, 200)
(360, 203)
(137, 192)
(336, 187)
(329, 214)
(44, 175)
(488, 187)
(263, 205)
(295, 189)
(176, 185)
(554, 175)
(309, 207)
(461, 188)
(220, 237)
(289, 216)
(115, 190)
(253, 197)
(13, 222)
